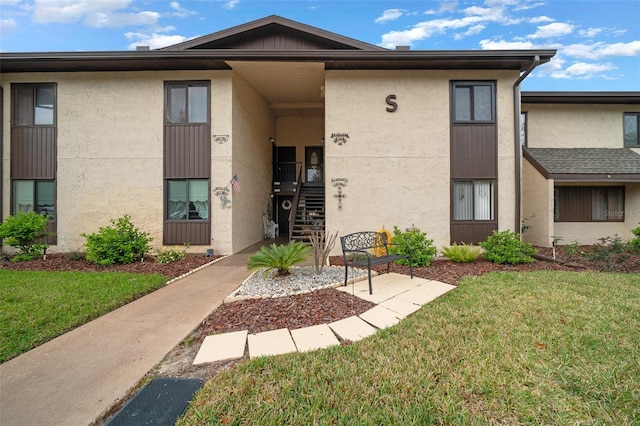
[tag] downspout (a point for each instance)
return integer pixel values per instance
(516, 139)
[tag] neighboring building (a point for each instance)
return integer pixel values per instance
(581, 173)
(357, 136)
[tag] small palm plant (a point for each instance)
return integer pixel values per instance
(279, 257)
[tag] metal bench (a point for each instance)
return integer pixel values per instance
(368, 249)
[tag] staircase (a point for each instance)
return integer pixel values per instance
(309, 214)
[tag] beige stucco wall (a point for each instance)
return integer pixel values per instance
(575, 126)
(590, 232)
(537, 206)
(110, 149)
(253, 124)
(300, 132)
(397, 164)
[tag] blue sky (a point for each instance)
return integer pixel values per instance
(598, 42)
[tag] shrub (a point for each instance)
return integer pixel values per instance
(76, 255)
(609, 252)
(505, 247)
(634, 244)
(279, 257)
(572, 248)
(120, 242)
(170, 255)
(22, 231)
(461, 253)
(422, 249)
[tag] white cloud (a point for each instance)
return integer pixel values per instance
(583, 71)
(601, 49)
(180, 11)
(119, 20)
(476, 29)
(389, 15)
(64, 11)
(154, 41)
(556, 29)
(475, 19)
(540, 19)
(230, 4)
(591, 32)
(505, 45)
(7, 26)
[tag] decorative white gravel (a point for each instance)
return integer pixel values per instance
(301, 280)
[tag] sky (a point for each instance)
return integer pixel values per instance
(598, 42)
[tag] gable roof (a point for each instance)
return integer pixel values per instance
(274, 33)
(586, 164)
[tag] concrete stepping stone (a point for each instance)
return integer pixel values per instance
(401, 306)
(352, 328)
(315, 337)
(274, 342)
(385, 286)
(425, 293)
(222, 346)
(381, 317)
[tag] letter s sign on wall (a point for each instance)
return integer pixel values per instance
(393, 106)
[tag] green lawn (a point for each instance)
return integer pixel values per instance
(38, 306)
(551, 348)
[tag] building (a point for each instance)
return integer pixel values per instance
(202, 141)
(581, 174)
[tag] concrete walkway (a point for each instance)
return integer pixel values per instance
(396, 296)
(74, 378)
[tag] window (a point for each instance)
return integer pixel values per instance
(523, 129)
(474, 102)
(589, 204)
(187, 199)
(187, 103)
(34, 195)
(631, 127)
(473, 200)
(35, 104)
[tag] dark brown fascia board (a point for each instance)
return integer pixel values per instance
(539, 167)
(334, 59)
(632, 98)
(273, 19)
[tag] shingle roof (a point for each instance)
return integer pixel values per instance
(586, 163)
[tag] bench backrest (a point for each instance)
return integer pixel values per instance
(363, 241)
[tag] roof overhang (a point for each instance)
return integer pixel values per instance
(204, 59)
(580, 98)
(559, 176)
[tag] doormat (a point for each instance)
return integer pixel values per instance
(160, 402)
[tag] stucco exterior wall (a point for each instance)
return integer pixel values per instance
(300, 131)
(537, 206)
(253, 123)
(590, 232)
(397, 163)
(110, 148)
(575, 126)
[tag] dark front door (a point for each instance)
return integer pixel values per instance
(314, 165)
(285, 165)
(283, 209)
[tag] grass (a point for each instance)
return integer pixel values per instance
(37, 306)
(506, 348)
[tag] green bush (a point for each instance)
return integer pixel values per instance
(634, 244)
(422, 249)
(279, 257)
(505, 247)
(461, 253)
(22, 231)
(120, 242)
(609, 252)
(170, 255)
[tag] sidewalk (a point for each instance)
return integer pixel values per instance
(74, 378)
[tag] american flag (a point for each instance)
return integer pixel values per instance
(235, 183)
